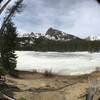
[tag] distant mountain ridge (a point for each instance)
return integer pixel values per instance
(55, 34)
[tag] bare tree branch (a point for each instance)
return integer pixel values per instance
(15, 8)
(4, 6)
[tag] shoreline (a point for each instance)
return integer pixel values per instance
(58, 74)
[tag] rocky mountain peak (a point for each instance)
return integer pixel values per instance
(59, 35)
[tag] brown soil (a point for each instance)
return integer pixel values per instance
(34, 86)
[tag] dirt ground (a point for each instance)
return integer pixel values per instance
(35, 86)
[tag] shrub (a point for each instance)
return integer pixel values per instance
(34, 71)
(48, 73)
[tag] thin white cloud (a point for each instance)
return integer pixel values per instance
(78, 17)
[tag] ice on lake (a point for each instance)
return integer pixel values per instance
(62, 63)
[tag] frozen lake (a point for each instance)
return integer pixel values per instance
(62, 63)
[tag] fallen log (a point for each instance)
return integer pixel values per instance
(50, 89)
(7, 97)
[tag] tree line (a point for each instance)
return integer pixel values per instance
(72, 45)
(44, 44)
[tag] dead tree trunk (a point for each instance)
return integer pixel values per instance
(90, 93)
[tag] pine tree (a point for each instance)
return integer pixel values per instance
(8, 37)
(9, 42)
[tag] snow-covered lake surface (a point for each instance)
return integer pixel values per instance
(62, 63)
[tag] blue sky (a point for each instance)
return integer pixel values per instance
(77, 17)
